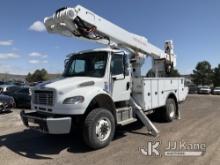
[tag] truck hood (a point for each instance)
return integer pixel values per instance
(205, 89)
(69, 83)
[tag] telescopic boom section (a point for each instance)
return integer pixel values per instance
(82, 23)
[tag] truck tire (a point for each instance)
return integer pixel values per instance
(99, 128)
(170, 110)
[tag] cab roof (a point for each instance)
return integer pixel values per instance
(108, 49)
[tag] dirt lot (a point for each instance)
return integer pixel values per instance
(199, 124)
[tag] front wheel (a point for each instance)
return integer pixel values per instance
(99, 128)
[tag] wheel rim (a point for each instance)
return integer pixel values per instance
(172, 110)
(103, 129)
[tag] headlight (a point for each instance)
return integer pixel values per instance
(74, 100)
(1, 103)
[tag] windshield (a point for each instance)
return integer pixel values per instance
(87, 64)
(217, 88)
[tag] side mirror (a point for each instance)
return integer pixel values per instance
(118, 77)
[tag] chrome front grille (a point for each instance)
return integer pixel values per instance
(43, 97)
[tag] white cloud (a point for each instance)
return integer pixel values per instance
(6, 43)
(8, 56)
(35, 61)
(37, 54)
(37, 26)
(38, 58)
(6, 68)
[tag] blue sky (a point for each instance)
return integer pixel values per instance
(193, 25)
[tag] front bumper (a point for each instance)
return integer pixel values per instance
(46, 124)
(216, 92)
(204, 92)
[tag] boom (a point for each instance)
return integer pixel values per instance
(82, 23)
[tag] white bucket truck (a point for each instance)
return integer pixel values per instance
(103, 88)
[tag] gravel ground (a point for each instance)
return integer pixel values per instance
(200, 124)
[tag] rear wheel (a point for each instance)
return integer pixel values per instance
(99, 128)
(170, 110)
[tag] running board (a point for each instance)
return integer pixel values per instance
(152, 130)
(126, 122)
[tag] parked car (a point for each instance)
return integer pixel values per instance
(17, 83)
(5, 88)
(22, 97)
(6, 103)
(216, 91)
(2, 82)
(193, 89)
(35, 83)
(11, 90)
(204, 90)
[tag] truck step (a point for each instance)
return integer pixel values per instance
(123, 109)
(128, 121)
(124, 115)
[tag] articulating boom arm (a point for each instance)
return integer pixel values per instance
(82, 23)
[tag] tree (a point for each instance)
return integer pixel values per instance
(28, 77)
(216, 76)
(38, 75)
(203, 73)
(150, 73)
(173, 73)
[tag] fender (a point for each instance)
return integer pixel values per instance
(102, 100)
(97, 94)
(89, 93)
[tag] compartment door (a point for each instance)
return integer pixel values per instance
(181, 89)
(147, 94)
(154, 93)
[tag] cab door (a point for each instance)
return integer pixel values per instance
(120, 77)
